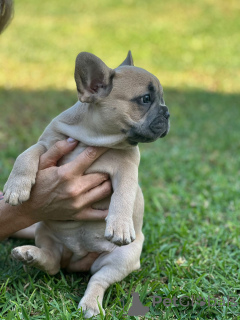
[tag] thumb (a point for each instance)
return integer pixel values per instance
(56, 152)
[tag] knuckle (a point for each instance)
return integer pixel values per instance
(72, 191)
(98, 178)
(58, 147)
(75, 205)
(47, 162)
(64, 175)
(107, 187)
(90, 153)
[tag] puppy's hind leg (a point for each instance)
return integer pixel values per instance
(108, 269)
(46, 256)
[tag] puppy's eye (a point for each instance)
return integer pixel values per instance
(146, 99)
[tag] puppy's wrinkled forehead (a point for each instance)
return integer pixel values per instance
(132, 80)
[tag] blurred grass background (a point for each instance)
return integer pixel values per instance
(187, 44)
(190, 179)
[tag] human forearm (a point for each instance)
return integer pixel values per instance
(12, 219)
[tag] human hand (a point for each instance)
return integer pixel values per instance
(65, 193)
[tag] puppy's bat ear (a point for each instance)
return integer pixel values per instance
(6, 13)
(128, 61)
(93, 78)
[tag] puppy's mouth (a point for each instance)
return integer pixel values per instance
(138, 138)
(164, 134)
(149, 133)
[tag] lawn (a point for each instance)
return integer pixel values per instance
(190, 179)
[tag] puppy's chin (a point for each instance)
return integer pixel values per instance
(141, 139)
(134, 142)
(164, 134)
(136, 136)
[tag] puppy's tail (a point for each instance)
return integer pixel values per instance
(6, 13)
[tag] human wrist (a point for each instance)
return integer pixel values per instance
(27, 213)
(13, 219)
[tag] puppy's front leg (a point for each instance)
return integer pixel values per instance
(120, 228)
(18, 186)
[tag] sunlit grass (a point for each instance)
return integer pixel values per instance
(187, 44)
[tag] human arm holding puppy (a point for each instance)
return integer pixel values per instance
(60, 193)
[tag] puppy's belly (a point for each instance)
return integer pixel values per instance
(81, 237)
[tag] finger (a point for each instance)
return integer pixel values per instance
(82, 162)
(92, 180)
(88, 214)
(56, 152)
(96, 194)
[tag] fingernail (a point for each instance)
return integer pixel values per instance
(71, 140)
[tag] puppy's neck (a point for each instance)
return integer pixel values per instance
(80, 123)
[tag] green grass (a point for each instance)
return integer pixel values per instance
(190, 179)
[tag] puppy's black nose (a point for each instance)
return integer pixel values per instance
(167, 115)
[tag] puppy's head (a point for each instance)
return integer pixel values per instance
(127, 100)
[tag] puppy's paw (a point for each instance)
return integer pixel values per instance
(29, 255)
(120, 232)
(89, 307)
(17, 189)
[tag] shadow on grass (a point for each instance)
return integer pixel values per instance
(204, 120)
(24, 114)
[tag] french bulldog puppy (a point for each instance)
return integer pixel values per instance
(117, 109)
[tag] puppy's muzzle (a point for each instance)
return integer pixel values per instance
(159, 126)
(155, 126)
